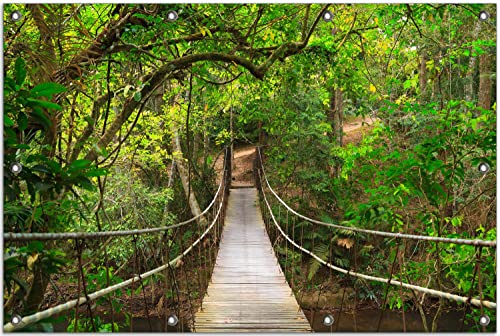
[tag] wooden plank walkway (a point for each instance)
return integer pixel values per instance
(248, 291)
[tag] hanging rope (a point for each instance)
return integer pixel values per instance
(12, 236)
(475, 242)
(30, 319)
(433, 292)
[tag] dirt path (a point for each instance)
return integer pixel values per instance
(356, 128)
(243, 166)
(245, 155)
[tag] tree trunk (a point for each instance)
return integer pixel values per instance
(233, 166)
(423, 77)
(167, 202)
(335, 116)
(339, 109)
(469, 86)
(206, 145)
(196, 143)
(485, 85)
(261, 134)
(183, 173)
(38, 288)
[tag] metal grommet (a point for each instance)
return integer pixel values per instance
(483, 167)
(484, 320)
(16, 16)
(16, 168)
(328, 320)
(172, 16)
(327, 16)
(16, 319)
(172, 320)
(483, 15)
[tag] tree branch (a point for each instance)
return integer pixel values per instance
(221, 83)
(306, 18)
(152, 80)
(412, 20)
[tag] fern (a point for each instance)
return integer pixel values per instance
(321, 250)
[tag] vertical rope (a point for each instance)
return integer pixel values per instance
(330, 259)
(387, 289)
(200, 289)
(207, 262)
(84, 286)
(166, 280)
(316, 308)
(175, 285)
(400, 259)
(182, 270)
(286, 247)
(293, 258)
(132, 290)
(101, 185)
(341, 306)
(138, 272)
(217, 232)
(355, 287)
(79, 287)
(302, 259)
(479, 283)
(312, 249)
(278, 238)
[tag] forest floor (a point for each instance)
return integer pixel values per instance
(355, 128)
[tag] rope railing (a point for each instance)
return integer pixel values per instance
(30, 319)
(13, 236)
(474, 242)
(433, 292)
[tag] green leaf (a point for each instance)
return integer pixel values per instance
(78, 164)
(21, 282)
(97, 172)
(20, 67)
(42, 186)
(47, 327)
(22, 121)
(9, 84)
(41, 117)
(137, 96)
(43, 103)
(54, 166)
(42, 169)
(47, 89)
(20, 146)
(7, 122)
(85, 183)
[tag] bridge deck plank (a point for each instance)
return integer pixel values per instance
(248, 291)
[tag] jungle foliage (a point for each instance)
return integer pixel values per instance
(101, 99)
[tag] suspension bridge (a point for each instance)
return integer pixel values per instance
(248, 290)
